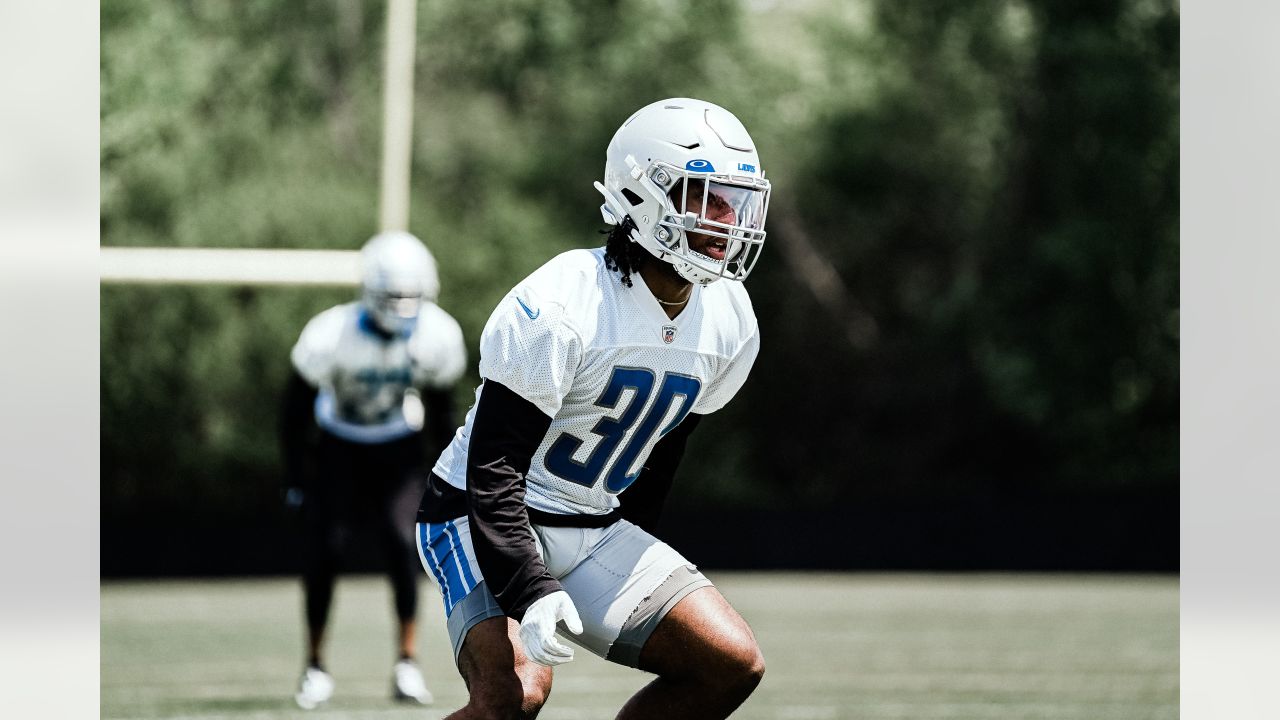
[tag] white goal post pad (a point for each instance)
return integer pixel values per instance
(229, 266)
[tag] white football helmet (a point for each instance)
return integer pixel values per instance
(399, 274)
(682, 166)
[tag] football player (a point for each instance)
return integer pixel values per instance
(538, 517)
(372, 384)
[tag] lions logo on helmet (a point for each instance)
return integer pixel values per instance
(399, 275)
(661, 172)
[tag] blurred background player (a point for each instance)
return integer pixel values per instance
(595, 370)
(371, 387)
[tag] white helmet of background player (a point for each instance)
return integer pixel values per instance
(398, 275)
(676, 148)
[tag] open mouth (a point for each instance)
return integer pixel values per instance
(714, 249)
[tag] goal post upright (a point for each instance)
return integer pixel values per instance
(397, 120)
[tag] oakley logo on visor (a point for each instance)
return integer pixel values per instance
(699, 166)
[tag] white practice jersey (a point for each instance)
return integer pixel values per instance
(610, 368)
(366, 381)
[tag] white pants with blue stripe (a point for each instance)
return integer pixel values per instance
(449, 560)
(623, 581)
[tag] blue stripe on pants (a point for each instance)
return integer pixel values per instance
(424, 542)
(437, 546)
(456, 539)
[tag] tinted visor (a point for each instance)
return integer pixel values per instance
(720, 205)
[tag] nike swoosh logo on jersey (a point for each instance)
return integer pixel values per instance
(532, 315)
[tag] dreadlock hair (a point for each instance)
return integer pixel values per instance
(620, 253)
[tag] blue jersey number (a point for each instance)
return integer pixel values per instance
(560, 455)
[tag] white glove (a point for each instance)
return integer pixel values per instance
(538, 629)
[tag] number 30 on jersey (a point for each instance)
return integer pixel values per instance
(612, 431)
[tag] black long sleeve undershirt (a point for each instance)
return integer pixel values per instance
(642, 502)
(505, 434)
(441, 423)
(297, 431)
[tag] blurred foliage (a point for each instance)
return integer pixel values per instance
(972, 289)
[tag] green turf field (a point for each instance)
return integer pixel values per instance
(909, 647)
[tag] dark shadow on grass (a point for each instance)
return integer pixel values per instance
(231, 705)
(283, 705)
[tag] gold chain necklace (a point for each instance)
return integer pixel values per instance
(677, 302)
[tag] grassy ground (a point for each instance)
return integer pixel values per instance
(872, 647)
